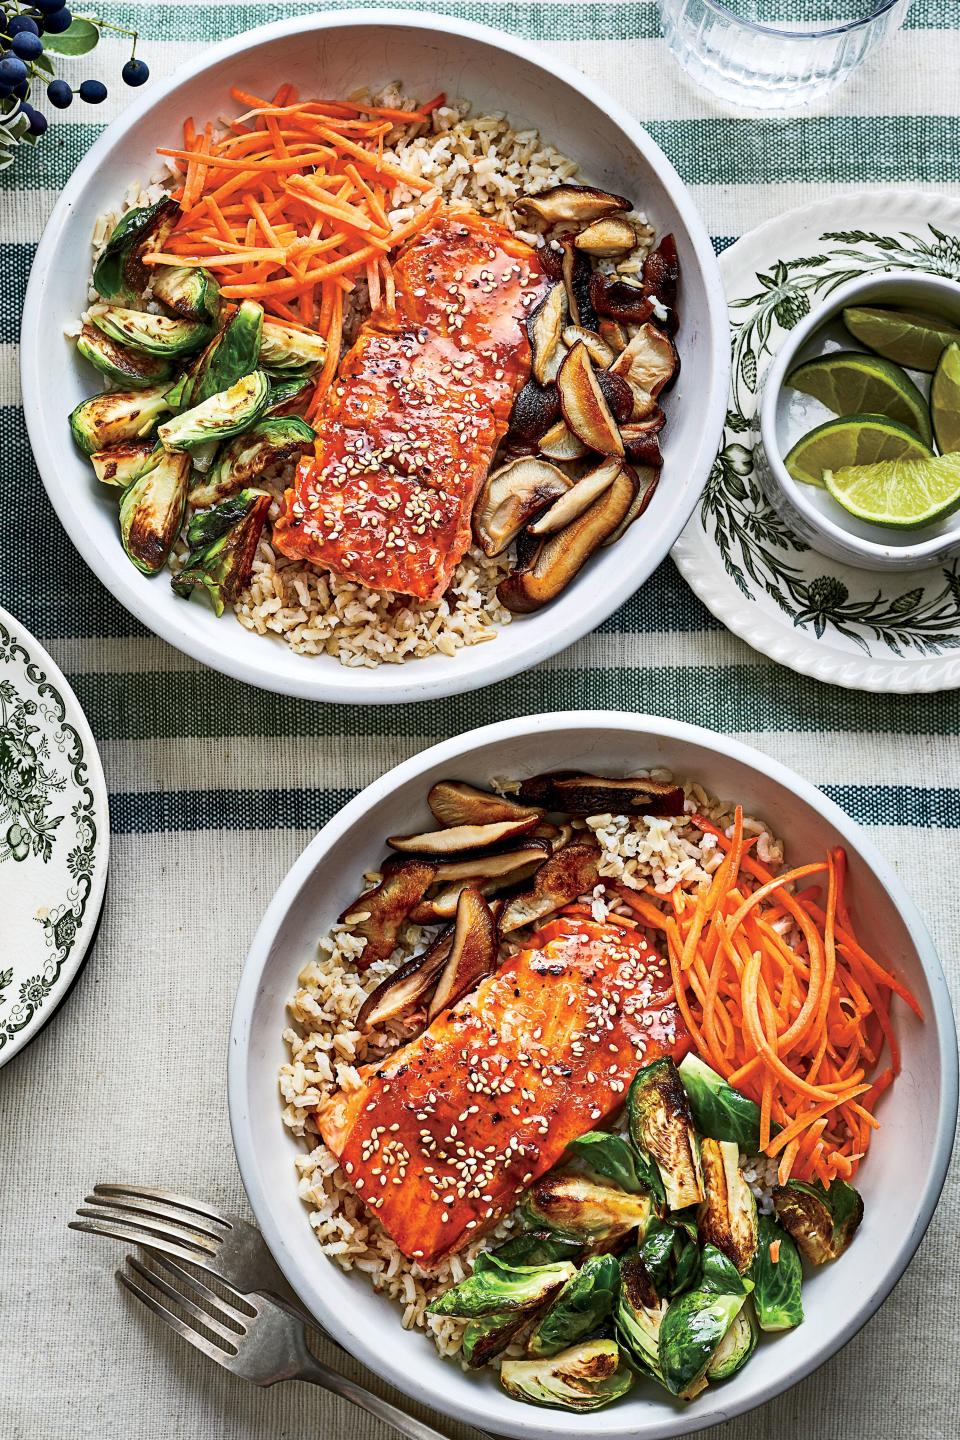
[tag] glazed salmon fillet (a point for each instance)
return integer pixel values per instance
(440, 1139)
(422, 400)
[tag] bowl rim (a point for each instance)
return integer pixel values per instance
(872, 552)
(386, 683)
(536, 1425)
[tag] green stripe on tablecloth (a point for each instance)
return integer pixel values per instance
(287, 809)
(822, 149)
(745, 698)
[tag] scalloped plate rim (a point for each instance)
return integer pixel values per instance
(764, 631)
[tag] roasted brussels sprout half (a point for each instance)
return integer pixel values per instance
(289, 395)
(777, 1282)
(719, 1274)
(687, 1265)
(661, 1124)
(495, 1286)
(283, 348)
(121, 463)
(727, 1217)
(580, 1309)
(156, 334)
(121, 365)
(106, 420)
(223, 542)
(221, 416)
(690, 1335)
(189, 291)
(489, 1336)
(151, 510)
(657, 1250)
(735, 1348)
(613, 1158)
(120, 273)
(537, 1247)
(639, 1314)
(581, 1209)
(822, 1221)
(582, 1378)
(246, 456)
(233, 353)
(718, 1110)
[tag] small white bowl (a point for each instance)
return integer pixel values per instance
(334, 54)
(812, 513)
(900, 1182)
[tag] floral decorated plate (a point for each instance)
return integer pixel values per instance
(54, 837)
(868, 630)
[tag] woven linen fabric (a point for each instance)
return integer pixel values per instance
(216, 787)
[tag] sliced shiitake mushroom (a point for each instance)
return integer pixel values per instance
(454, 802)
(501, 867)
(562, 555)
(512, 496)
(491, 876)
(581, 203)
(598, 349)
(535, 409)
(642, 445)
(613, 334)
(386, 907)
(462, 839)
(581, 495)
(573, 871)
(408, 987)
(618, 394)
(473, 954)
(611, 235)
(648, 477)
(661, 271)
(544, 330)
(649, 362)
(584, 408)
(577, 274)
(560, 443)
(619, 299)
(579, 793)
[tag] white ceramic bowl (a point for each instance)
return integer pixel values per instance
(333, 55)
(901, 1181)
(812, 513)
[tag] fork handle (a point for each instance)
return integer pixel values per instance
(315, 1372)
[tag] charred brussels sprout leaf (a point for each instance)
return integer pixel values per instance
(690, 1334)
(777, 1283)
(822, 1221)
(151, 510)
(223, 542)
(156, 334)
(582, 1210)
(222, 416)
(727, 1217)
(113, 419)
(735, 1348)
(284, 348)
(657, 1251)
(582, 1378)
(486, 1338)
(536, 1247)
(661, 1123)
(719, 1274)
(612, 1157)
(120, 273)
(246, 456)
(495, 1287)
(719, 1111)
(189, 291)
(580, 1309)
(639, 1314)
(121, 365)
(233, 353)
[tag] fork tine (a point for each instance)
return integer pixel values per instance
(167, 1197)
(134, 1236)
(200, 1243)
(233, 1334)
(222, 1356)
(158, 1210)
(222, 1306)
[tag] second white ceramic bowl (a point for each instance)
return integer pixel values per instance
(324, 54)
(812, 513)
(900, 1182)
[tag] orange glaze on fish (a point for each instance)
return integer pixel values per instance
(421, 403)
(442, 1138)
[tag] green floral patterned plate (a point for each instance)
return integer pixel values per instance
(877, 631)
(54, 837)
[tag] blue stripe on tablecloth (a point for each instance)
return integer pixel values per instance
(288, 809)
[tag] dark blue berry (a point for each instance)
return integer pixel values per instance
(27, 46)
(22, 90)
(135, 72)
(58, 21)
(60, 94)
(12, 70)
(23, 25)
(94, 92)
(38, 122)
(48, 7)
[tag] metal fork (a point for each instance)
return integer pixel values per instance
(253, 1337)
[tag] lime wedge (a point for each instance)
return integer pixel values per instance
(945, 400)
(849, 382)
(899, 493)
(854, 440)
(907, 336)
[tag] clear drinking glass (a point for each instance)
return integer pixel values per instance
(775, 54)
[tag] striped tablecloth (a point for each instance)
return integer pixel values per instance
(215, 788)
